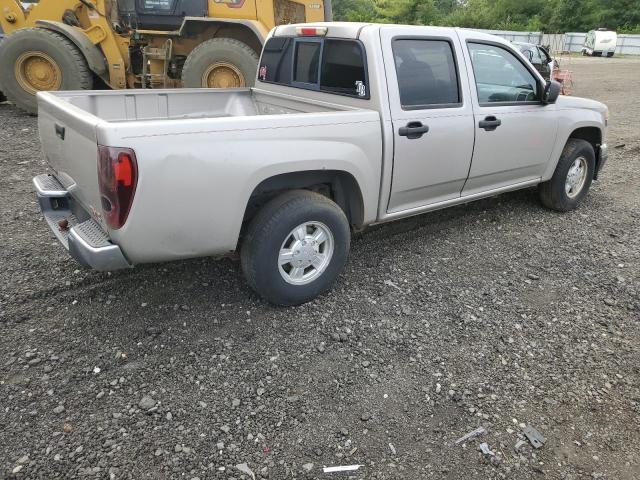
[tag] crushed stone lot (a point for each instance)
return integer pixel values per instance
(498, 314)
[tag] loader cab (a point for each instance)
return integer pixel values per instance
(160, 14)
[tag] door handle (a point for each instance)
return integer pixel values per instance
(413, 130)
(490, 123)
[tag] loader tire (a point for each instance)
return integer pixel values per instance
(220, 63)
(37, 59)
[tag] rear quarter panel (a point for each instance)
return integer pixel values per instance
(196, 175)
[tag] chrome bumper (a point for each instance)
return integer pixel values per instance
(85, 239)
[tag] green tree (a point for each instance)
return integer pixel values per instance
(617, 14)
(355, 11)
(423, 12)
(570, 16)
(546, 15)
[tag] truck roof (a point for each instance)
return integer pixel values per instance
(353, 29)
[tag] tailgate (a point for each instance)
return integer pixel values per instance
(69, 143)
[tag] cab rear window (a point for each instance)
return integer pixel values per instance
(329, 65)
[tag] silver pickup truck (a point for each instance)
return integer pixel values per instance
(348, 125)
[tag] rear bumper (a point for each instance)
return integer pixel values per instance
(603, 156)
(80, 234)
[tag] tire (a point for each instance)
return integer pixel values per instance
(237, 64)
(271, 230)
(49, 48)
(554, 193)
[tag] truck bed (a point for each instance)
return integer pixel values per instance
(131, 105)
(200, 154)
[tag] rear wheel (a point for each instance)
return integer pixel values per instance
(35, 60)
(220, 63)
(295, 247)
(572, 178)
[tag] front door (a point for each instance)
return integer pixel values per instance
(515, 132)
(431, 114)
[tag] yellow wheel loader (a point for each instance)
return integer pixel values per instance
(85, 44)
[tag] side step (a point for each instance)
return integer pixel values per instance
(54, 202)
(48, 186)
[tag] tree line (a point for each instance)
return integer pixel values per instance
(552, 16)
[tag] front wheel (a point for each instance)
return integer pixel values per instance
(572, 178)
(35, 60)
(295, 247)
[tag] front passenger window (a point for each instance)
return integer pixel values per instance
(500, 76)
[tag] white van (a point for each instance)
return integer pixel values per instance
(601, 42)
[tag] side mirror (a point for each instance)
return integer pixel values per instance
(551, 92)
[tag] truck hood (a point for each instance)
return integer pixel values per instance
(577, 102)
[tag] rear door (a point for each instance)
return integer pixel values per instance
(431, 114)
(514, 132)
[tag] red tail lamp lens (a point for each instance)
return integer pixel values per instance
(311, 31)
(117, 177)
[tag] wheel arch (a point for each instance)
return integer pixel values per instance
(590, 131)
(338, 185)
(249, 32)
(91, 53)
(593, 135)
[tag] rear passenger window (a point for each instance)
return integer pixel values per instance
(535, 56)
(427, 74)
(544, 56)
(329, 65)
(343, 68)
(307, 62)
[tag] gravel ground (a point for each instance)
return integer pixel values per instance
(497, 314)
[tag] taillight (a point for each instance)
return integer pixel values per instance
(117, 177)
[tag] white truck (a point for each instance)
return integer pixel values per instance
(348, 125)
